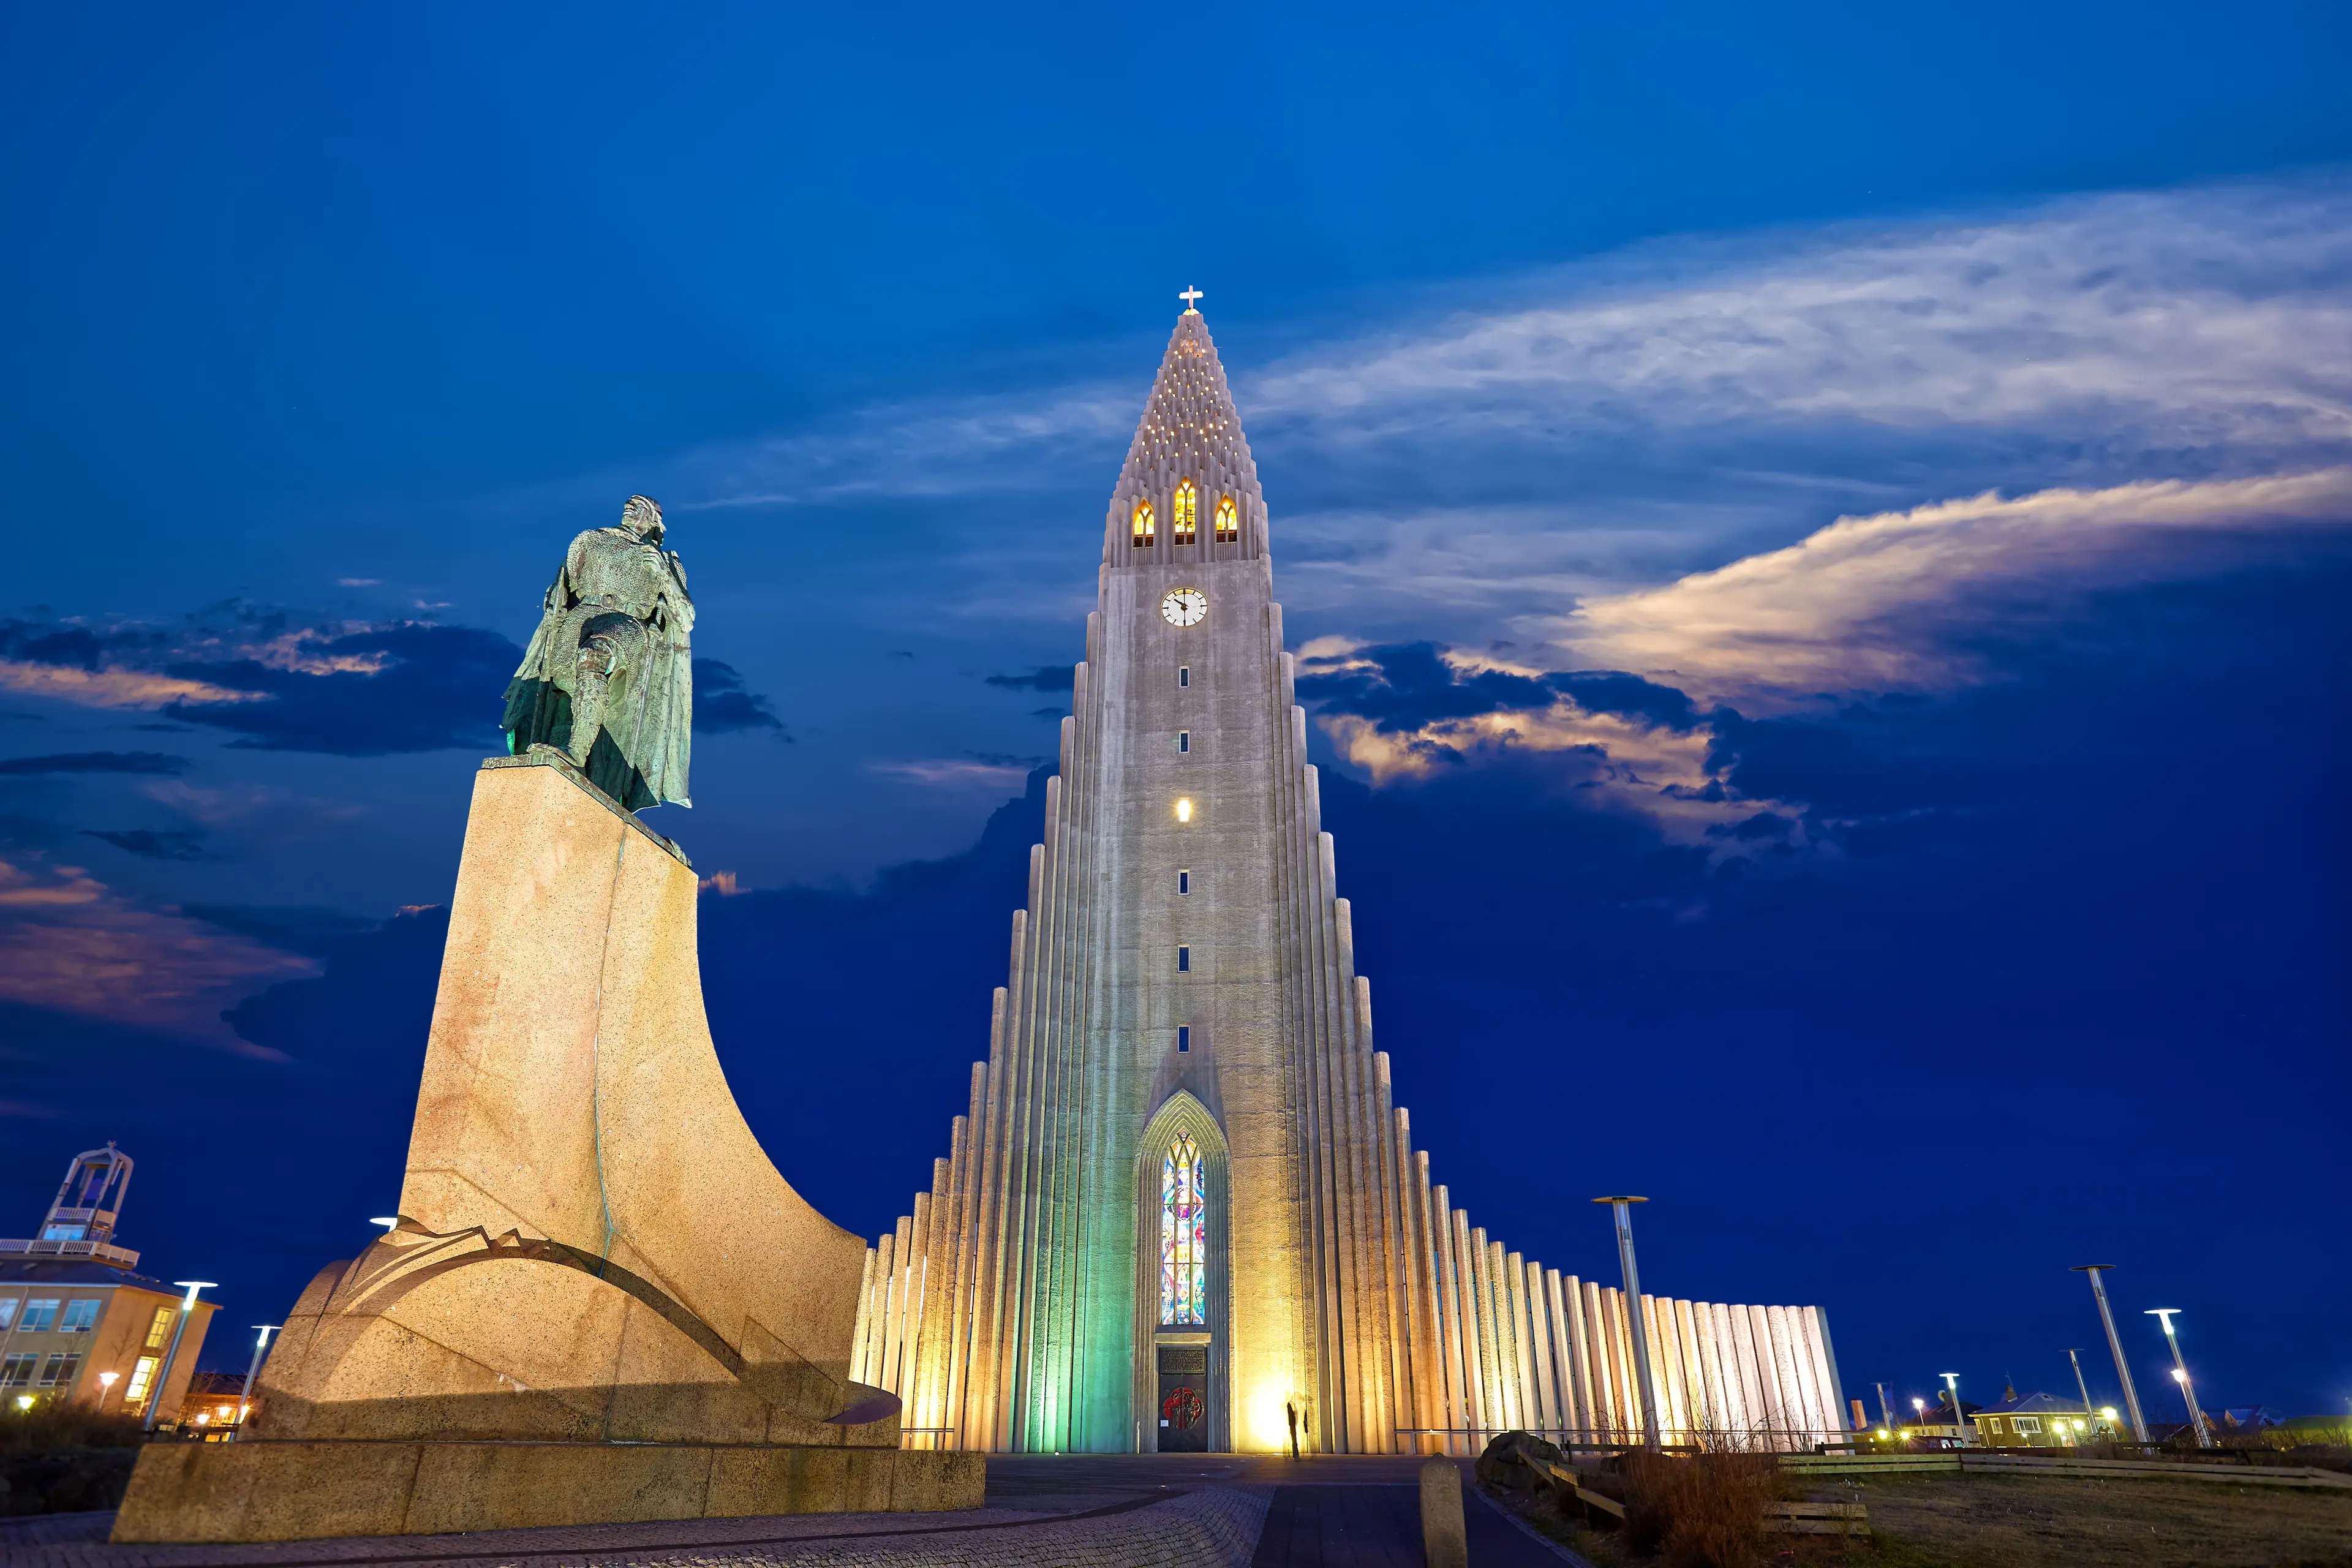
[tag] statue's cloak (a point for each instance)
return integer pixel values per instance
(630, 594)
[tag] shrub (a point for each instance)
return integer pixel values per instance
(1704, 1511)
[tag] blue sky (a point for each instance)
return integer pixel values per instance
(1941, 425)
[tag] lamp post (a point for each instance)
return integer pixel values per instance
(244, 1395)
(2116, 1345)
(2074, 1356)
(1959, 1422)
(1621, 1208)
(164, 1382)
(1886, 1411)
(105, 1387)
(2180, 1374)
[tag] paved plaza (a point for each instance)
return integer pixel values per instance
(1075, 1511)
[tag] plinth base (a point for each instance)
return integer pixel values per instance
(262, 1491)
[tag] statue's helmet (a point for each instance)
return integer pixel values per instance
(643, 517)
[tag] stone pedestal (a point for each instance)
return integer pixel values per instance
(602, 1302)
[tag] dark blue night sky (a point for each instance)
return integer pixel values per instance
(1818, 540)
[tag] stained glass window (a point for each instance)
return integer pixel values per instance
(1229, 520)
(1184, 1236)
(1144, 523)
(1187, 512)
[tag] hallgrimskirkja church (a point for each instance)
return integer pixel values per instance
(1181, 1211)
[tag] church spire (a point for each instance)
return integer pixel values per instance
(1189, 490)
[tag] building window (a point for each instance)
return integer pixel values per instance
(1184, 1236)
(158, 1328)
(8, 1310)
(1183, 1036)
(1183, 881)
(80, 1316)
(61, 1369)
(1184, 961)
(38, 1315)
(1144, 524)
(1229, 520)
(142, 1373)
(17, 1370)
(1187, 512)
(1183, 739)
(1184, 811)
(2029, 1424)
(1183, 675)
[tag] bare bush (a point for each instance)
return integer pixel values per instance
(1704, 1512)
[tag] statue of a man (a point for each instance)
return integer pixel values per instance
(608, 678)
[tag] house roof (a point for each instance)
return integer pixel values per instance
(2036, 1405)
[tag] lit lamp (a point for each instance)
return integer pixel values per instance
(164, 1382)
(1959, 1422)
(2180, 1374)
(24, 1402)
(105, 1386)
(1184, 811)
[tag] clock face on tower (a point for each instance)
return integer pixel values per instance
(1184, 606)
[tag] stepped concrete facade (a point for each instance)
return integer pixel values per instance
(1182, 1210)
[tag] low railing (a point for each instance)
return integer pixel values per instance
(21, 1248)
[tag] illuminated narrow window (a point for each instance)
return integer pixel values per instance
(1183, 881)
(1184, 811)
(160, 1326)
(1183, 675)
(1229, 519)
(1145, 524)
(1184, 1236)
(1183, 739)
(1184, 961)
(1187, 512)
(142, 1373)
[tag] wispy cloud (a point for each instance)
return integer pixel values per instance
(1888, 601)
(71, 944)
(958, 773)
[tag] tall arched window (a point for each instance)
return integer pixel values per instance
(1229, 519)
(1144, 523)
(1184, 1236)
(1187, 512)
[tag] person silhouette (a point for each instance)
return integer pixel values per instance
(1290, 1409)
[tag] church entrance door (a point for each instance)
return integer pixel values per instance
(1184, 1399)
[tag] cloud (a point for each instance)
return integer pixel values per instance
(152, 844)
(2203, 317)
(957, 773)
(1897, 600)
(1044, 677)
(1616, 743)
(95, 763)
(723, 704)
(276, 679)
(70, 943)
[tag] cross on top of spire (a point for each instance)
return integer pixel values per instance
(1188, 295)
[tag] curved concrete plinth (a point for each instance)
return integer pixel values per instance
(602, 1304)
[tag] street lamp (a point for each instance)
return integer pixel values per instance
(1959, 1422)
(2074, 1356)
(105, 1386)
(2115, 1345)
(244, 1395)
(1621, 1208)
(2180, 1374)
(155, 1394)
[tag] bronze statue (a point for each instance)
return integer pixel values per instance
(608, 678)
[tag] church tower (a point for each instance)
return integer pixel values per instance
(1181, 1208)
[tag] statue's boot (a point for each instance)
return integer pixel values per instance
(587, 705)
